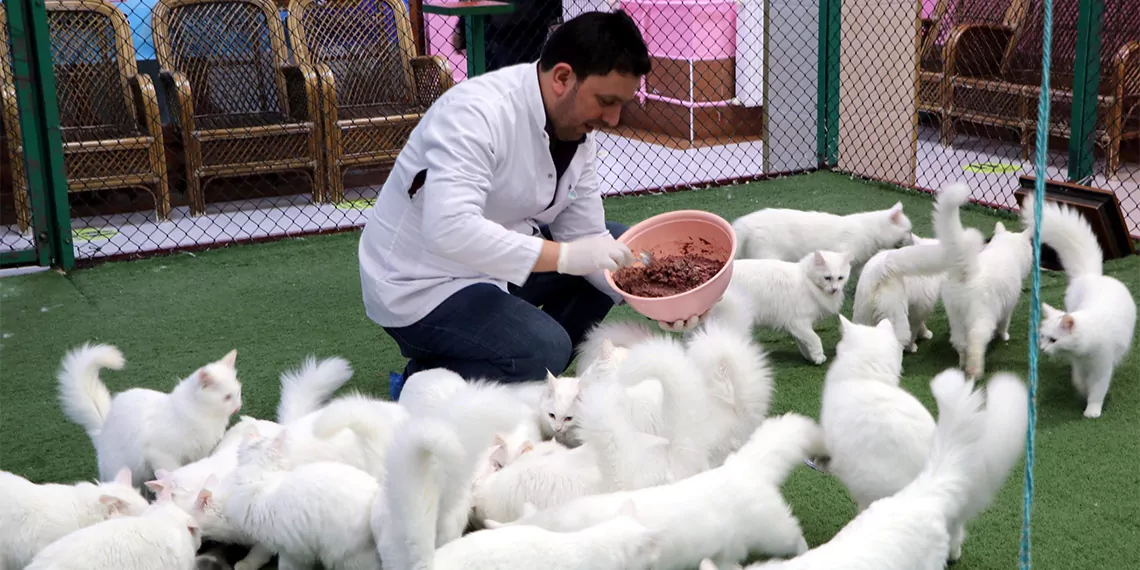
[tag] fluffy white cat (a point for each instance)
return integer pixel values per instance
(33, 516)
(144, 429)
(787, 296)
(724, 513)
(543, 476)
(163, 536)
(789, 235)
(972, 456)
(902, 285)
(1095, 330)
(983, 281)
(621, 543)
(609, 342)
(426, 499)
(309, 514)
(877, 434)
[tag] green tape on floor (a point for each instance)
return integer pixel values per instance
(992, 167)
(94, 234)
(360, 204)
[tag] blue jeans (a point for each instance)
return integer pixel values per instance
(482, 332)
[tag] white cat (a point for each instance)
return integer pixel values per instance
(789, 235)
(877, 434)
(163, 536)
(308, 387)
(426, 499)
(725, 513)
(1095, 330)
(143, 429)
(972, 456)
(33, 516)
(621, 543)
(309, 514)
(609, 342)
(544, 475)
(902, 285)
(983, 282)
(788, 296)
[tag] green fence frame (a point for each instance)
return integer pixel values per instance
(43, 145)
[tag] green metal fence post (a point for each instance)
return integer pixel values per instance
(1086, 85)
(39, 123)
(827, 123)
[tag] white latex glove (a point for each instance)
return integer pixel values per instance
(682, 325)
(593, 253)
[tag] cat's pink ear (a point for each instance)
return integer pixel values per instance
(846, 258)
(499, 440)
(203, 499)
(1048, 311)
(844, 324)
(551, 379)
(165, 495)
(1067, 323)
(897, 213)
(819, 260)
(157, 485)
(230, 359)
(114, 505)
(278, 443)
(123, 477)
(999, 228)
(526, 447)
(204, 378)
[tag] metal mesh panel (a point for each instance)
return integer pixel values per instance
(192, 123)
(15, 210)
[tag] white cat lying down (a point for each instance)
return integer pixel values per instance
(973, 454)
(725, 513)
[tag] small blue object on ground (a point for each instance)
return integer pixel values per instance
(395, 385)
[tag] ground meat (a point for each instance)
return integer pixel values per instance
(668, 275)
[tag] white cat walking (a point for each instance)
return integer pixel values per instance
(902, 285)
(1095, 330)
(787, 296)
(143, 429)
(164, 536)
(789, 235)
(33, 516)
(983, 281)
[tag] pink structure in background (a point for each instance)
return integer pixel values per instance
(928, 7)
(439, 29)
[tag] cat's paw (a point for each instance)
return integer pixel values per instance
(1004, 336)
(926, 334)
(1092, 411)
(818, 359)
(912, 348)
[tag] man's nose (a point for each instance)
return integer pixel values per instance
(611, 116)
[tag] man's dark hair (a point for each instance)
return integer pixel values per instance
(596, 43)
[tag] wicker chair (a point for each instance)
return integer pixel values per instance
(108, 111)
(10, 126)
(240, 107)
(958, 37)
(374, 89)
(1007, 96)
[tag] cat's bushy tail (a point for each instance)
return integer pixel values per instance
(974, 450)
(374, 422)
(83, 396)
(962, 245)
(430, 463)
(736, 371)
(1069, 234)
(778, 446)
(624, 334)
(306, 388)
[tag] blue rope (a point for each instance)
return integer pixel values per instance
(1035, 297)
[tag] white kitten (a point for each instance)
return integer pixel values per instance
(725, 513)
(544, 476)
(877, 434)
(902, 285)
(1095, 330)
(308, 514)
(163, 536)
(143, 429)
(426, 499)
(972, 455)
(33, 516)
(789, 235)
(788, 296)
(606, 341)
(983, 282)
(621, 543)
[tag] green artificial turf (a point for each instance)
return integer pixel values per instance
(279, 302)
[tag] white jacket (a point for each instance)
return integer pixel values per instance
(489, 179)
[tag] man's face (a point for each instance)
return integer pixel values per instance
(582, 106)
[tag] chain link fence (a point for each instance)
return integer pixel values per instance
(192, 123)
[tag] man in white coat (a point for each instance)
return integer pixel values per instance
(485, 249)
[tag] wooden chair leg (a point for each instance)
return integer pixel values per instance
(23, 208)
(162, 197)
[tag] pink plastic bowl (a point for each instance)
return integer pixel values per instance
(667, 234)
